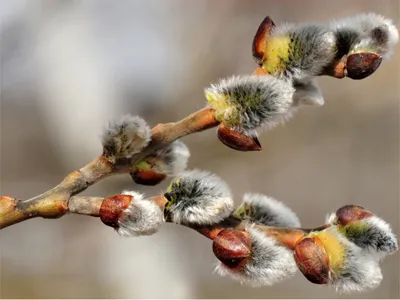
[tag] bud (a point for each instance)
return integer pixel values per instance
(131, 215)
(260, 40)
(267, 263)
(349, 214)
(264, 210)
(245, 103)
(297, 51)
(167, 161)
(198, 197)
(367, 231)
(362, 64)
(237, 141)
(232, 247)
(125, 137)
(312, 260)
(146, 177)
(363, 33)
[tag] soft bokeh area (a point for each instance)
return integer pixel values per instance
(68, 67)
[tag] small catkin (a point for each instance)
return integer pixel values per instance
(299, 51)
(372, 234)
(245, 103)
(142, 217)
(125, 137)
(198, 197)
(261, 209)
(270, 262)
(357, 271)
(368, 32)
(169, 160)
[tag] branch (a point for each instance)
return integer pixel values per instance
(54, 203)
(261, 241)
(287, 236)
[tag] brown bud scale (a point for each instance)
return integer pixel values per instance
(351, 213)
(147, 177)
(261, 38)
(363, 64)
(236, 140)
(312, 260)
(232, 247)
(112, 207)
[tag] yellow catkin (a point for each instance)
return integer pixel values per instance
(276, 54)
(333, 247)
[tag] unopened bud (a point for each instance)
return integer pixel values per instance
(147, 177)
(236, 140)
(312, 260)
(232, 247)
(112, 208)
(260, 40)
(351, 213)
(362, 64)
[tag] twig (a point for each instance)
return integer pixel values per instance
(54, 203)
(286, 236)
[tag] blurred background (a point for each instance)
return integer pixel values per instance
(67, 67)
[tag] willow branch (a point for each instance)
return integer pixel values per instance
(286, 236)
(54, 203)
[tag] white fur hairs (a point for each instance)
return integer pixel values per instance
(270, 262)
(142, 217)
(172, 159)
(311, 48)
(372, 234)
(366, 32)
(359, 271)
(308, 93)
(125, 137)
(198, 197)
(261, 209)
(248, 102)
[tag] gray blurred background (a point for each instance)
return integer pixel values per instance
(67, 67)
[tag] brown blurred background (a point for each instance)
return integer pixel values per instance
(67, 67)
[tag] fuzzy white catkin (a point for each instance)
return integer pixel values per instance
(368, 31)
(308, 93)
(248, 102)
(373, 235)
(268, 211)
(360, 271)
(270, 262)
(142, 217)
(311, 48)
(199, 197)
(126, 136)
(172, 159)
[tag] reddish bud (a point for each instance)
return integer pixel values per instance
(147, 177)
(236, 140)
(112, 207)
(351, 213)
(363, 64)
(232, 247)
(260, 39)
(312, 260)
